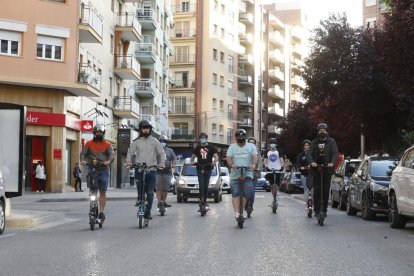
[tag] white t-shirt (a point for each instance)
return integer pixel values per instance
(273, 159)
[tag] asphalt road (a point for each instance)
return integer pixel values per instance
(183, 243)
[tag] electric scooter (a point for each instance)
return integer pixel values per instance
(275, 202)
(142, 199)
(321, 216)
(203, 198)
(240, 218)
(92, 179)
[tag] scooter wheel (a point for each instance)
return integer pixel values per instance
(92, 225)
(310, 214)
(140, 218)
(100, 225)
(240, 222)
(320, 220)
(162, 213)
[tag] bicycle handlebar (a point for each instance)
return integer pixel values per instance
(95, 163)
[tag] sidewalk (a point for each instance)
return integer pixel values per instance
(21, 218)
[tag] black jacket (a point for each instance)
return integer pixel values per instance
(323, 152)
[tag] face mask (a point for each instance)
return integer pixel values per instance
(203, 141)
(163, 145)
(273, 146)
(322, 135)
(241, 140)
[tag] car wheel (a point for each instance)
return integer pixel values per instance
(334, 203)
(185, 199)
(217, 198)
(179, 199)
(342, 202)
(2, 217)
(394, 218)
(221, 197)
(367, 214)
(229, 191)
(351, 211)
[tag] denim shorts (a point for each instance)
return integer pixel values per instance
(103, 178)
(235, 187)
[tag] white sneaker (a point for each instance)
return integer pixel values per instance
(237, 214)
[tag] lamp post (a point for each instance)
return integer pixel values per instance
(362, 142)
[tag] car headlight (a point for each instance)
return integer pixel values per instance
(377, 187)
(181, 182)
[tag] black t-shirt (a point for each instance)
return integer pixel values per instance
(204, 155)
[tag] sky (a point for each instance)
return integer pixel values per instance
(319, 9)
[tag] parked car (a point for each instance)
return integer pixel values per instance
(340, 182)
(225, 179)
(176, 174)
(187, 184)
(262, 183)
(293, 183)
(401, 192)
(369, 187)
(2, 203)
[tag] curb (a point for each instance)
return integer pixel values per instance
(29, 218)
(84, 199)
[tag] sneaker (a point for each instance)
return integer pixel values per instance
(147, 216)
(166, 204)
(159, 205)
(237, 214)
(101, 217)
(136, 203)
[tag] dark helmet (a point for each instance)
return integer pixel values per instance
(251, 138)
(272, 141)
(96, 128)
(144, 123)
(203, 134)
(163, 139)
(306, 141)
(240, 133)
(322, 126)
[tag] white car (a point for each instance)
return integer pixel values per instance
(401, 191)
(2, 204)
(225, 179)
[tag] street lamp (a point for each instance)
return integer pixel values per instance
(362, 142)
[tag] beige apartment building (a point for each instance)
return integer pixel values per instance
(73, 64)
(373, 12)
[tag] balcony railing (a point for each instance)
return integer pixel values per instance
(242, 7)
(90, 17)
(247, 17)
(182, 136)
(127, 62)
(128, 19)
(184, 33)
(126, 104)
(88, 74)
(184, 7)
(190, 58)
(182, 109)
(147, 17)
(175, 84)
(146, 50)
(146, 87)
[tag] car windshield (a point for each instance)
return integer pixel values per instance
(224, 170)
(382, 168)
(351, 166)
(189, 170)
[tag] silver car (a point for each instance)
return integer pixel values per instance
(225, 179)
(2, 204)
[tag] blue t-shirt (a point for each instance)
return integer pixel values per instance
(241, 156)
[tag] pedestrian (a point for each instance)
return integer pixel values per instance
(76, 174)
(257, 171)
(163, 178)
(41, 177)
(131, 177)
(304, 166)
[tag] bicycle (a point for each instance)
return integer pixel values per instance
(92, 180)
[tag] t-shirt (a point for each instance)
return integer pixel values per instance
(204, 156)
(170, 157)
(273, 159)
(241, 156)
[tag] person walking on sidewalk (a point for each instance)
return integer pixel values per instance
(40, 177)
(163, 179)
(98, 149)
(146, 149)
(76, 174)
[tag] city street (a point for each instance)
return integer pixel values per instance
(183, 243)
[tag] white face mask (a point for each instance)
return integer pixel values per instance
(273, 146)
(163, 145)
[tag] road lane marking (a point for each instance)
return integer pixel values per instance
(7, 235)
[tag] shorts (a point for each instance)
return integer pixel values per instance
(235, 187)
(163, 182)
(103, 178)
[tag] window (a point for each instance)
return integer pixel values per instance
(215, 29)
(182, 54)
(221, 105)
(221, 130)
(214, 128)
(50, 48)
(112, 44)
(111, 86)
(180, 105)
(229, 88)
(214, 78)
(10, 43)
(370, 3)
(181, 80)
(223, 33)
(185, 6)
(230, 111)
(214, 103)
(229, 136)
(215, 54)
(231, 37)
(181, 128)
(408, 159)
(222, 57)
(221, 81)
(371, 22)
(216, 5)
(231, 65)
(223, 9)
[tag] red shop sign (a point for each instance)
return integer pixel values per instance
(57, 154)
(51, 119)
(86, 125)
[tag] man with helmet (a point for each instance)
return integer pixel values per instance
(163, 179)
(323, 152)
(206, 160)
(273, 160)
(257, 170)
(146, 149)
(241, 154)
(303, 165)
(100, 150)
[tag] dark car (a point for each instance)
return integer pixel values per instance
(369, 187)
(262, 183)
(293, 183)
(340, 182)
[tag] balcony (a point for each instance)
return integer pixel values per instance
(297, 33)
(298, 81)
(147, 17)
(276, 93)
(90, 76)
(276, 56)
(145, 88)
(246, 58)
(146, 52)
(180, 84)
(185, 7)
(245, 122)
(182, 59)
(247, 18)
(126, 107)
(243, 99)
(297, 64)
(127, 67)
(276, 74)
(242, 28)
(274, 129)
(241, 50)
(128, 25)
(182, 136)
(276, 110)
(243, 77)
(90, 25)
(276, 22)
(183, 33)
(242, 7)
(167, 42)
(246, 39)
(182, 110)
(298, 50)
(276, 38)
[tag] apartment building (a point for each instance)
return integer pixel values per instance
(374, 12)
(77, 65)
